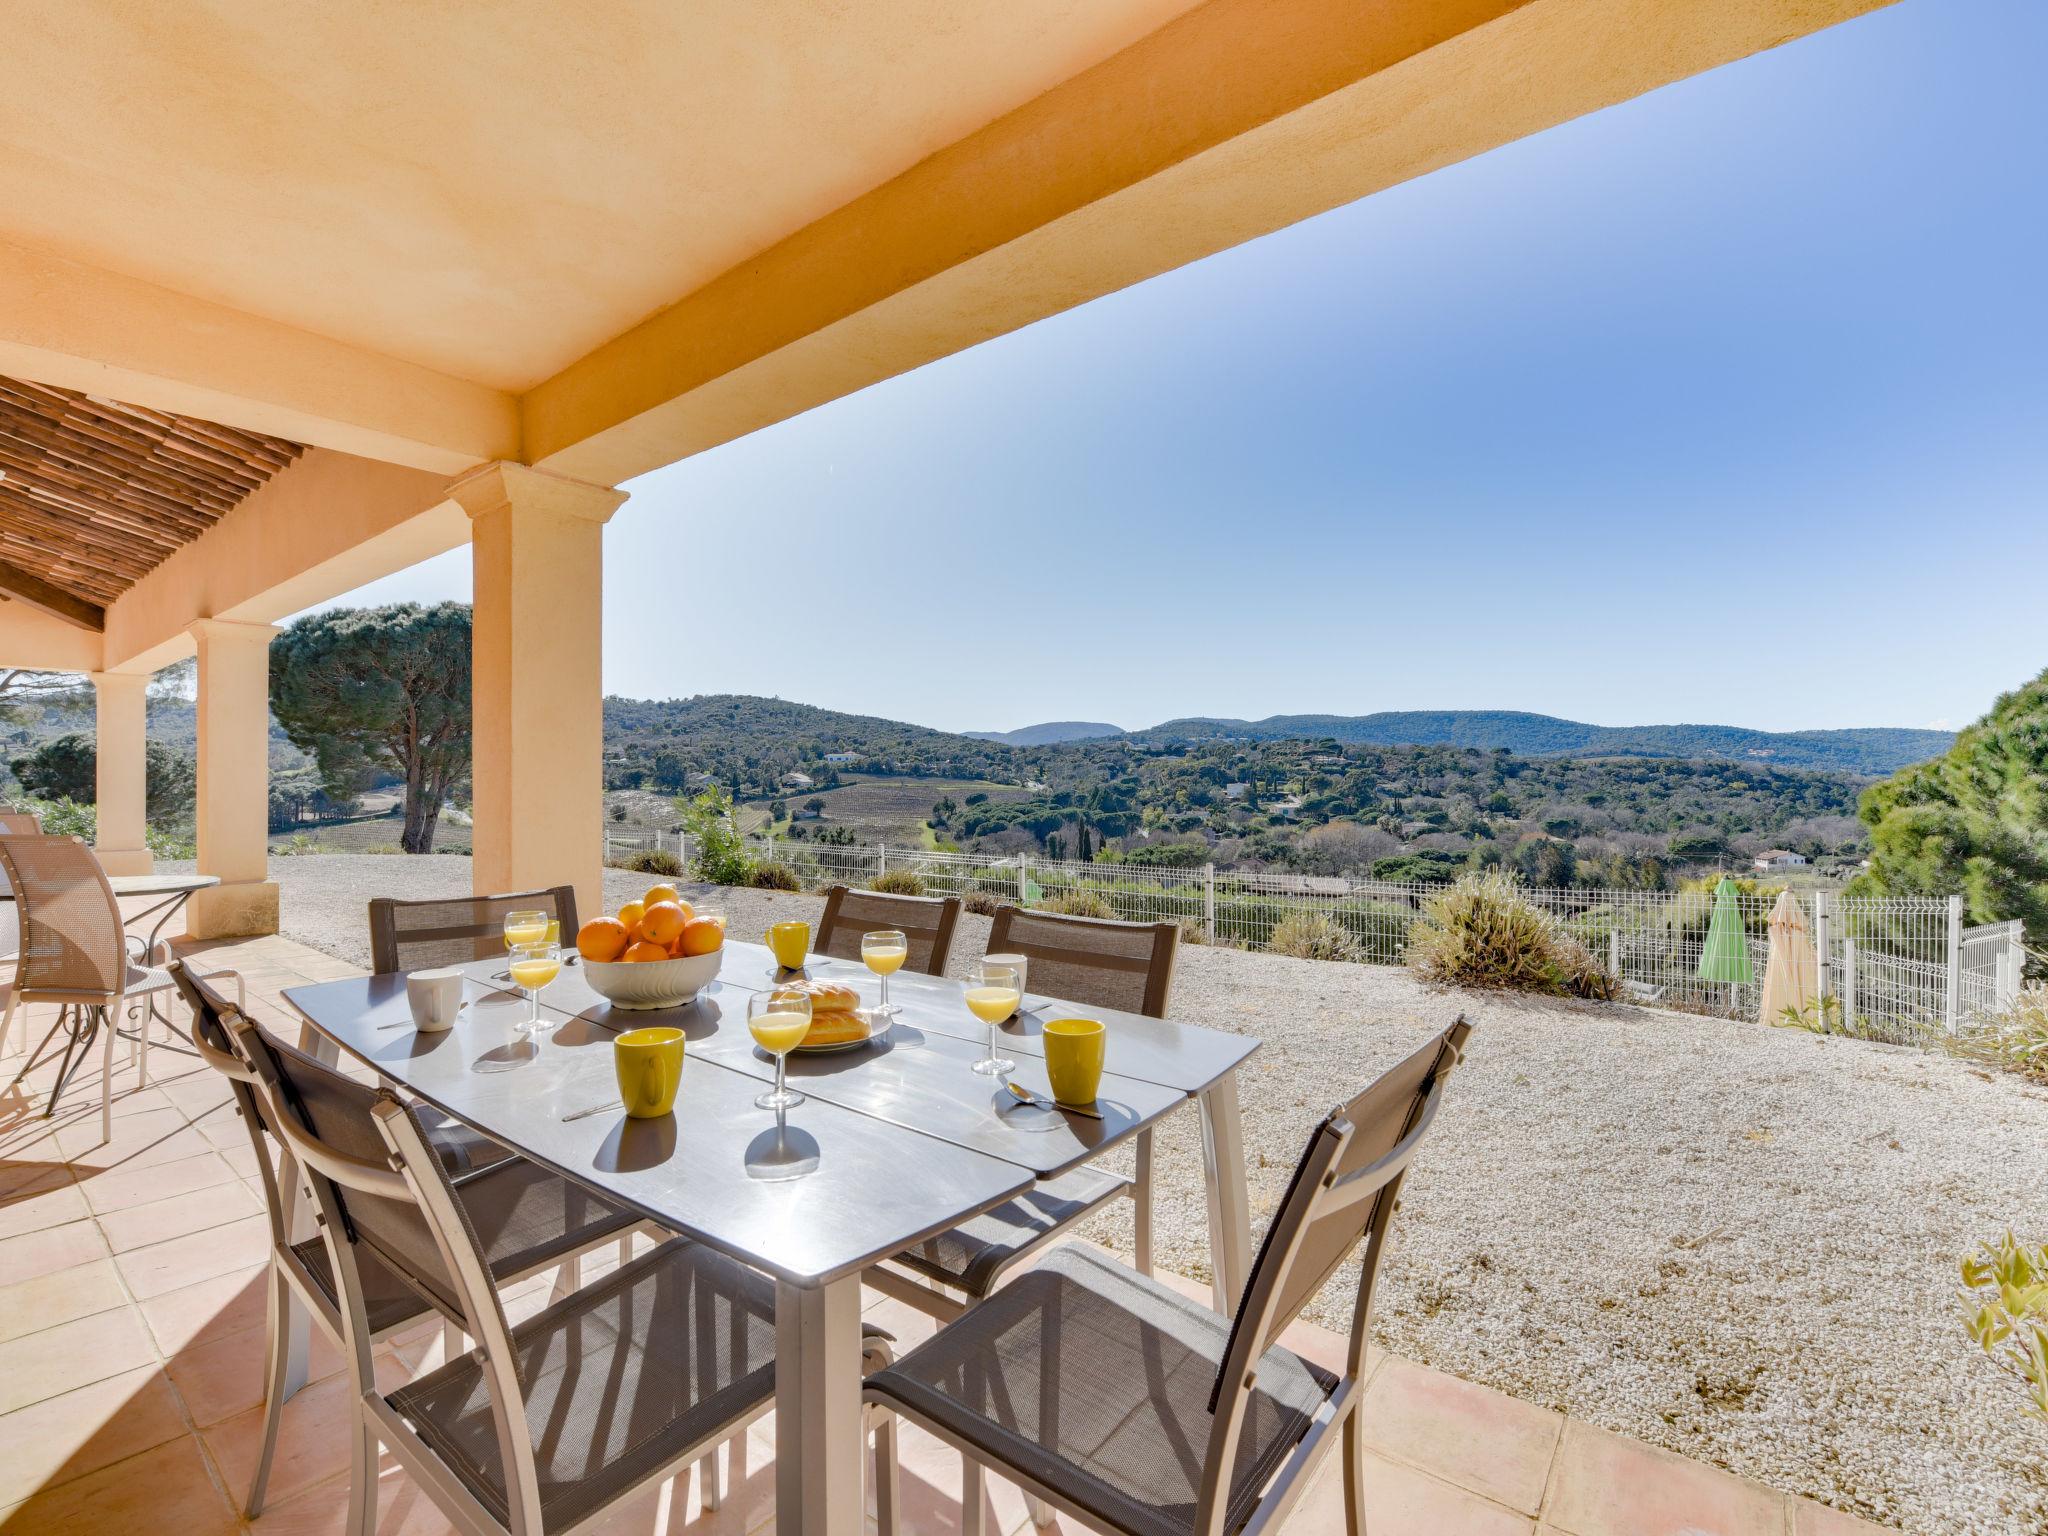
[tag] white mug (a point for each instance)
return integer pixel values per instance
(434, 997)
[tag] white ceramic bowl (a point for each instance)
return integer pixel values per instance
(651, 983)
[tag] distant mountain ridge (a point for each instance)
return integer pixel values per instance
(1868, 750)
(1051, 733)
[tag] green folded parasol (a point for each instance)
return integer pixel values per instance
(1726, 955)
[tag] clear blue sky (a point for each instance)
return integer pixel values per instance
(1727, 404)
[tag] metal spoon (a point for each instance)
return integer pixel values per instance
(595, 1109)
(1028, 1097)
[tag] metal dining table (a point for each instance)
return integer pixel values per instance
(819, 1195)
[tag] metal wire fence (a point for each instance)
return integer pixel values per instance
(1896, 968)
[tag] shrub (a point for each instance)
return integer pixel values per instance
(1076, 904)
(985, 903)
(653, 861)
(2005, 1308)
(1484, 932)
(899, 882)
(2015, 1040)
(776, 877)
(721, 853)
(1309, 935)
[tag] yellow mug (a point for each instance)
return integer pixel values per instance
(1073, 1058)
(649, 1063)
(791, 942)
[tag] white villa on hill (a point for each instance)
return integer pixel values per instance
(1779, 858)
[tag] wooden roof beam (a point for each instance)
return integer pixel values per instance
(25, 586)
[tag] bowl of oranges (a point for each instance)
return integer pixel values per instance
(656, 952)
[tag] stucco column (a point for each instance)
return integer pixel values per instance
(537, 689)
(234, 781)
(121, 747)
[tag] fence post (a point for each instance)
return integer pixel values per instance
(1023, 882)
(881, 858)
(1823, 945)
(2015, 961)
(1614, 952)
(1849, 985)
(1209, 903)
(1952, 1009)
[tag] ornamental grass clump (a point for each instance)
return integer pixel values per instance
(1485, 932)
(1312, 936)
(2015, 1039)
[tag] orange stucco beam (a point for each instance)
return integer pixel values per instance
(322, 527)
(1239, 118)
(35, 640)
(105, 334)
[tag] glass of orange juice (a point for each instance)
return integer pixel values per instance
(533, 967)
(778, 1020)
(884, 952)
(993, 994)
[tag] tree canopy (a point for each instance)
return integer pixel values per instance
(66, 768)
(1974, 821)
(380, 689)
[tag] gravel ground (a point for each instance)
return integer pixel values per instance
(1734, 1241)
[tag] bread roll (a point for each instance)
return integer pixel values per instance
(836, 1026)
(826, 996)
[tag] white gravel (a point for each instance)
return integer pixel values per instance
(1734, 1241)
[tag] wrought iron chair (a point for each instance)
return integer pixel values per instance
(1126, 966)
(549, 1425)
(526, 1219)
(74, 953)
(1105, 1394)
(927, 922)
(453, 930)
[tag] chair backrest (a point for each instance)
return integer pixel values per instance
(926, 921)
(214, 1019)
(450, 930)
(20, 824)
(72, 941)
(1344, 1190)
(1095, 960)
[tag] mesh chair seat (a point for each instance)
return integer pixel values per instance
(610, 1399)
(1094, 1380)
(461, 1147)
(388, 1301)
(972, 1255)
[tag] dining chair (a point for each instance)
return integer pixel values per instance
(1105, 1394)
(927, 922)
(20, 824)
(526, 1219)
(1100, 963)
(74, 953)
(13, 824)
(453, 930)
(548, 1425)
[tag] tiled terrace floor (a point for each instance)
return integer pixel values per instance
(131, 1340)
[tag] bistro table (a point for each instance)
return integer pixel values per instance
(812, 1198)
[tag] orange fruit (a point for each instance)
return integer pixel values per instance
(660, 893)
(701, 935)
(602, 938)
(640, 949)
(661, 923)
(630, 914)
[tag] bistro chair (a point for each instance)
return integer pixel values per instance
(1098, 962)
(546, 1426)
(926, 922)
(13, 824)
(1107, 1395)
(525, 1219)
(75, 953)
(454, 930)
(20, 824)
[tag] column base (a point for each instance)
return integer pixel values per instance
(240, 909)
(125, 861)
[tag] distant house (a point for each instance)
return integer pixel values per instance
(1236, 791)
(842, 758)
(1779, 858)
(796, 781)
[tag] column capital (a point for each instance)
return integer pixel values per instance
(233, 630)
(496, 487)
(106, 682)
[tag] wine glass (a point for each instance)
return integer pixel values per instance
(993, 994)
(527, 926)
(533, 967)
(778, 1020)
(884, 952)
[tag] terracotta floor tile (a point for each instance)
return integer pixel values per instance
(1470, 1435)
(119, 1188)
(20, 1172)
(163, 1492)
(1400, 1501)
(1811, 1519)
(221, 1377)
(312, 1441)
(322, 1510)
(225, 1304)
(196, 1256)
(46, 1252)
(200, 1210)
(28, 1306)
(1608, 1485)
(80, 1431)
(86, 1349)
(49, 1201)
(153, 1136)
(929, 1479)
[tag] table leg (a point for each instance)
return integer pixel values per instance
(1230, 1218)
(818, 1434)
